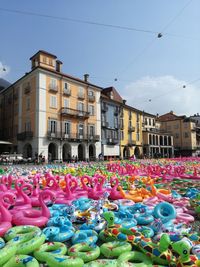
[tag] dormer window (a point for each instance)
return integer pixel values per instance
(111, 95)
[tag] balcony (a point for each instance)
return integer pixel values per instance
(81, 96)
(94, 138)
(76, 137)
(131, 143)
(91, 98)
(53, 135)
(104, 124)
(75, 113)
(25, 135)
(131, 129)
(53, 88)
(104, 108)
(66, 92)
(112, 141)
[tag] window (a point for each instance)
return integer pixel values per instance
(66, 86)
(186, 135)
(66, 103)
(90, 93)
(91, 130)
(176, 126)
(53, 101)
(81, 129)
(150, 122)
(52, 126)
(138, 117)
(176, 135)
(103, 117)
(53, 84)
(108, 133)
(137, 137)
(67, 127)
(145, 121)
(27, 126)
(116, 122)
(185, 124)
(91, 110)
(28, 103)
(50, 62)
(44, 60)
(80, 106)
(80, 90)
(153, 122)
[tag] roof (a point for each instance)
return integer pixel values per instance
(55, 72)
(43, 52)
(116, 96)
(170, 116)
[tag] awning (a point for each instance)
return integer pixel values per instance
(5, 143)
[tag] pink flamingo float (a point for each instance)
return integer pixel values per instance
(35, 217)
(6, 217)
(114, 193)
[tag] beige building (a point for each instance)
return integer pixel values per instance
(157, 142)
(184, 131)
(49, 112)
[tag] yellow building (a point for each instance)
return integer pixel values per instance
(49, 112)
(184, 132)
(131, 132)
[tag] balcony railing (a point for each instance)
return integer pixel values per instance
(73, 137)
(131, 143)
(75, 113)
(91, 98)
(112, 141)
(104, 124)
(25, 135)
(66, 92)
(131, 129)
(53, 87)
(81, 96)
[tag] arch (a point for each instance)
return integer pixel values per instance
(92, 152)
(150, 139)
(156, 140)
(169, 141)
(137, 152)
(52, 151)
(165, 140)
(81, 152)
(161, 140)
(27, 151)
(126, 152)
(66, 152)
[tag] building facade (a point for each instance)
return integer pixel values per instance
(184, 131)
(49, 112)
(111, 103)
(157, 142)
(131, 132)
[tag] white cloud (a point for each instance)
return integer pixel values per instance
(162, 94)
(4, 70)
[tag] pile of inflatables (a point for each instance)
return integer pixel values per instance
(127, 213)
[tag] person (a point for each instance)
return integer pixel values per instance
(100, 156)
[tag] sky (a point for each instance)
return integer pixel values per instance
(116, 42)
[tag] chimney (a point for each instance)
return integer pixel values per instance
(86, 77)
(58, 65)
(124, 101)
